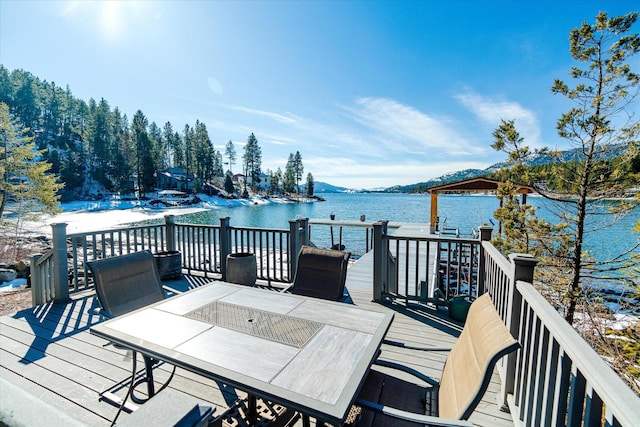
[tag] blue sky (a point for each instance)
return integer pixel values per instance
(372, 93)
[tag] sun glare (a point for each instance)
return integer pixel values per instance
(112, 18)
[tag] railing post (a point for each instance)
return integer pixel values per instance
(485, 236)
(523, 270)
(225, 244)
(304, 231)
(61, 270)
(379, 259)
(294, 246)
(170, 232)
(37, 284)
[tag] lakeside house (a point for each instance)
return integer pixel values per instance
(264, 181)
(175, 179)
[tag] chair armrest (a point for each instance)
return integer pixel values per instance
(411, 347)
(410, 416)
(99, 311)
(286, 289)
(406, 369)
(171, 290)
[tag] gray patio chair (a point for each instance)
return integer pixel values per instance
(321, 273)
(387, 399)
(125, 283)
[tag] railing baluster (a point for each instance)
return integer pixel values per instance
(576, 398)
(74, 264)
(551, 384)
(593, 409)
(547, 379)
(538, 373)
(564, 390)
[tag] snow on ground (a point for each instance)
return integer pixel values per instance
(92, 215)
(617, 322)
(13, 285)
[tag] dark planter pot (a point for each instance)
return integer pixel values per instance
(242, 268)
(459, 308)
(169, 264)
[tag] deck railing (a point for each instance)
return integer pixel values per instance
(84, 247)
(42, 272)
(203, 248)
(417, 267)
(556, 378)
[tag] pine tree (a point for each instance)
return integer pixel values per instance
(145, 153)
(252, 160)
(26, 100)
(189, 137)
(275, 179)
(123, 154)
(298, 169)
(218, 169)
(230, 153)
(310, 185)
(602, 117)
(204, 155)
(25, 180)
(6, 91)
(289, 179)
(168, 153)
(103, 144)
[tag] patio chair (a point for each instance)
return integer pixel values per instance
(321, 273)
(125, 283)
(170, 408)
(387, 399)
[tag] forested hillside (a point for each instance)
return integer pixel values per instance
(543, 165)
(93, 146)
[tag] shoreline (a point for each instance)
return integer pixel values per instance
(87, 216)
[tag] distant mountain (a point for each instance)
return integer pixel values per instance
(566, 156)
(450, 177)
(323, 187)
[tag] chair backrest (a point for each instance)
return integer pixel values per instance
(321, 273)
(469, 366)
(127, 282)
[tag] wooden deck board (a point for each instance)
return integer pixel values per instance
(48, 353)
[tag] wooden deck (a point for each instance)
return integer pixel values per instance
(52, 369)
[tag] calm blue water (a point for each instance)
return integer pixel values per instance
(464, 212)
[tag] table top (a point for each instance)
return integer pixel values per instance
(308, 354)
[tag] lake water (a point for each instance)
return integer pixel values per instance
(464, 212)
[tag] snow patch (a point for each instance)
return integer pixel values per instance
(13, 285)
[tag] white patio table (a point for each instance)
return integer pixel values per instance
(307, 354)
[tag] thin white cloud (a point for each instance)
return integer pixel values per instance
(275, 116)
(492, 112)
(404, 128)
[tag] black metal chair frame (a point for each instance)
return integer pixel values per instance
(125, 283)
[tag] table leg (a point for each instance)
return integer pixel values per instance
(252, 409)
(148, 366)
(306, 421)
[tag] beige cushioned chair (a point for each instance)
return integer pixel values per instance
(466, 375)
